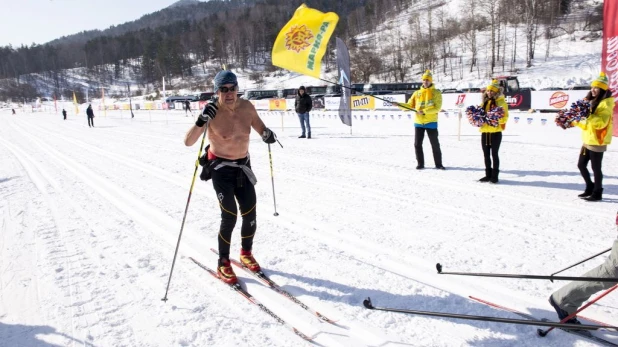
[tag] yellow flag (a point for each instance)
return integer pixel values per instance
(301, 43)
(75, 103)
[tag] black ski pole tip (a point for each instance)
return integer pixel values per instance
(275, 214)
(367, 303)
(541, 332)
(439, 267)
(164, 299)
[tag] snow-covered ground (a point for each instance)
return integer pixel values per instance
(90, 218)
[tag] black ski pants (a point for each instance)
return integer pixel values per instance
(596, 161)
(90, 121)
(490, 142)
(419, 136)
(232, 185)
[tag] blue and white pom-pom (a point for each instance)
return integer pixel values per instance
(494, 116)
(476, 115)
(579, 111)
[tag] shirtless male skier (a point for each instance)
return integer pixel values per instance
(228, 120)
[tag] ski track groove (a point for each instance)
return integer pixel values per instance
(326, 233)
(469, 215)
(233, 302)
(144, 214)
(80, 301)
(388, 169)
(147, 168)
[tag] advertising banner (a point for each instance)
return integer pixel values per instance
(609, 54)
(555, 99)
(363, 102)
(277, 104)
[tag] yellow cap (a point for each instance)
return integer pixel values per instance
(427, 76)
(494, 86)
(601, 81)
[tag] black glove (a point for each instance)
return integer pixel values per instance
(209, 113)
(269, 136)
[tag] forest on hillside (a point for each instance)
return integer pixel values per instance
(182, 41)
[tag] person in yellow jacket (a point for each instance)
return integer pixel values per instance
(491, 136)
(427, 102)
(596, 134)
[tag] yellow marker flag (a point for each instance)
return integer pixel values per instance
(75, 103)
(301, 43)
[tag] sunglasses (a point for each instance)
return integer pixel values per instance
(227, 89)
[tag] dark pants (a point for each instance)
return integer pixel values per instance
(596, 160)
(231, 185)
(90, 121)
(419, 136)
(491, 145)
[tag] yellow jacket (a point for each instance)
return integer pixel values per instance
(500, 101)
(597, 129)
(428, 100)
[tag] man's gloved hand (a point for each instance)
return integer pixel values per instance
(269, 136)
(209, 113)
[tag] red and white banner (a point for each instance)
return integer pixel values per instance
(609, 56)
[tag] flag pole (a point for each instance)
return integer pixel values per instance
(402, 105)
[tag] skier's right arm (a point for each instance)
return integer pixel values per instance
(194, 134)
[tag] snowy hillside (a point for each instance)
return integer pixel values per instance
(574, 54)
(91, 216)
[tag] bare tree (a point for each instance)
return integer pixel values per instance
(365, 62)
(490, 8)
(470, 28)
(530, 8)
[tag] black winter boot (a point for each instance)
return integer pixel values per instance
(308, 135)
(494, 176)
(302, 136)
(596, 195)
(588, 191)
(487, 176)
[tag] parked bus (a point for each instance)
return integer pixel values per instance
(288, 93)
(315, 90)
(260, 94)
(206, 96)
(173, 99)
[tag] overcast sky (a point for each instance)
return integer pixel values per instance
(41, 21)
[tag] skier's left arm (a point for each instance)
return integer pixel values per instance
(258, 125)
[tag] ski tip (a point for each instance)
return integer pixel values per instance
(367, 303)
(541, 332)
(439, 268)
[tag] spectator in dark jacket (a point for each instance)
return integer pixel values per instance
(90, 115)
(303, 105)
(64, 113)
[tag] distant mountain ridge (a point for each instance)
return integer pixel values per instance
(190, 10)
(183, 3)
